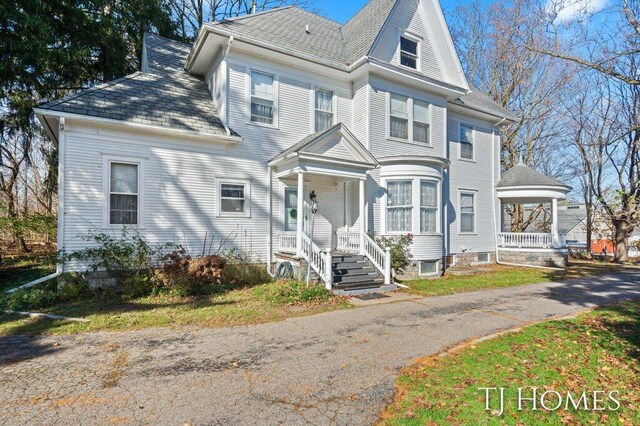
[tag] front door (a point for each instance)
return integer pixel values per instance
(291, 209)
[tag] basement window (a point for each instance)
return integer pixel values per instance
(428, 267)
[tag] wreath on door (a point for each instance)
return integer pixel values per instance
(293, 214)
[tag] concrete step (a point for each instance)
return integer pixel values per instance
(354, 271)
(349, 258)
(373, 284)
(350, 265)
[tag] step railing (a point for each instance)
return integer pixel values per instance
(319, 260)
(381, 258)
(287, 242)
(348, 241)
(525, 240)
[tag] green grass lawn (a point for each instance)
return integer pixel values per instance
(21, 269)
(498, 276)
(263, 303)
(597, 351)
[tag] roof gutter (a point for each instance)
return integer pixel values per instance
(129, 125)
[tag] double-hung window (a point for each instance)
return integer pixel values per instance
(323, 109)
(123, 193)
(466, 142)
(262, 98)
(420, 122)
(409, 52)
(428, 206)
(467, 212)
(399, 206)
(234, 198)
(399, 117)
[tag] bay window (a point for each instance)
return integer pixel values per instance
(428, 206)
(262, 98)
(399, 206)
(399, 117)
(323, 109)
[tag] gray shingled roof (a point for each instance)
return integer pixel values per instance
(523, 175)
(166, 96)
(327, 40)
(479, 101)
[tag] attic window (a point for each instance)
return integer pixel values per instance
(409, 52)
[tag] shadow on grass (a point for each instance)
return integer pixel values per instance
(26, 340)
(18, 270)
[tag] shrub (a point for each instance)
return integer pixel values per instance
(291, 293)
(242, 270)
(27, 299)
(400, 253)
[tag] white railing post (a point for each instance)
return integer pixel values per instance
(387, 266)
(328, 282)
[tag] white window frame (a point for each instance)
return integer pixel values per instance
(473, 193)
(247, 197)
(106, 189)
(410, 114)
(429, 274)
(412, 205)
(418, 41)
(413, 121)
(334, 105)
(488, 257)
(276, 107)
(415, 203)
(473, 142)
(437, 207)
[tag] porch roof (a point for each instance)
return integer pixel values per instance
(334, 150)
(522, 184)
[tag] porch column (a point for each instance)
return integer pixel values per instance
(300, 216)
(362, 214)
(554, 222)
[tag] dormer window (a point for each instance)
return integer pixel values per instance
(409, 52)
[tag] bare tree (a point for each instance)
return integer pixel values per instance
(192, 14)
(489, 39)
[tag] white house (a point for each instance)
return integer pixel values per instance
(230, 137)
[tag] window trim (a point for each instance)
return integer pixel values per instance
(334, 104)
(247, 197)
(418, 41)
(430, 274)
(386, 205)
(415, 204)
(473, 142)
(106, 189)
(410, 114)
(473, 193)
(437, 207)
(276, 106)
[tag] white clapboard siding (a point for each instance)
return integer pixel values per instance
(472, 176)
(407, 18)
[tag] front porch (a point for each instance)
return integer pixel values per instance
(319, 215)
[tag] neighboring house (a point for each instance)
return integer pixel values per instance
(230, 137)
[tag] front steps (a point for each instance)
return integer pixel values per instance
(352, 272)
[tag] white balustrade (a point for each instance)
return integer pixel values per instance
(287, 242)
(380, 257)
(348, 241)
(319, 260)
(525, 240)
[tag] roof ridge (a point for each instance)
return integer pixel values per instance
(89, 90)
(167, 38)
(250, 15)
(317, 15)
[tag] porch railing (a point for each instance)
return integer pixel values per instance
(319, 260)
(525, 240)
(287, 242)
(380, 257)
(348, 241)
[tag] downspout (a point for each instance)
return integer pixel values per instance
(60, 233)
(269, 219)
(225, 121)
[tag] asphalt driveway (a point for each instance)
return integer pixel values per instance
(332, 368)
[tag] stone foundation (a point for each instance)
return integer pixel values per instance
(555, 258)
